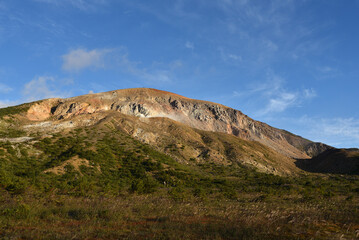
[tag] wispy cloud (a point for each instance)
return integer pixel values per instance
(79, 59)
(179, 9)
(4, 88)
(83, 5)
(309, 93)
(16, 23)
(326, 72)
(157, 73)
(281, 99)
(173, 13)
(336, 131)
(229, 57)
(263, 33)
(339, 132)
(41, 88)
(118, 59)
(273, 14)
(272, 95)
(269, 32)
(270, 45)
(326, 69)
(189, 45)
(280, 103)
(7, 103)
(234, 57)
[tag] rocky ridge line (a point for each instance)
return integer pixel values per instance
(151, 103)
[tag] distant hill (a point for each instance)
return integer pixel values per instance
(342, 161)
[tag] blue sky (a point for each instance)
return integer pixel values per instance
(293, 64)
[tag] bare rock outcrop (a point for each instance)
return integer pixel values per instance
(203, 115)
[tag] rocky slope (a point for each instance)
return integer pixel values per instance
(150, 103)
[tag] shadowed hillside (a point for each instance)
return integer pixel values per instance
(340, 161)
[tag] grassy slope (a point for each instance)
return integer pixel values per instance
(129, 189)
(183, 143)
(8, 123)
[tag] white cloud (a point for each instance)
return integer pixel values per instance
(280, 103)
(339, 132)
(83, 5)
(235, 57)
(118, 59)
(41, 88)
(270, 45)
(327, 72)
(189, 45)
(79, 59)
(87, 5)
(156, 73)
(4, 88)
(326, 69)
(309, 93)
(274, 96)
(229, 57)
(282, 99)
(7, 103)
(176, 64)
(38, 89)
(268, 32)
(348, 127)
(272, 86)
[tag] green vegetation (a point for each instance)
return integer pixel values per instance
(100, 183)
(11, 133)
(14, 110)
(8, 128)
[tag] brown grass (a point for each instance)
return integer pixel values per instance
(159, 217)
(75, 161)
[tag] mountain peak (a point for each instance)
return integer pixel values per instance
(147, 91)
(135, 93)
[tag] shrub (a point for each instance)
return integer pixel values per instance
(21, 211)
(177, 193)
(18, 187)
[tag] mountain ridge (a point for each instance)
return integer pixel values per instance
(188, 130)
(204, 115)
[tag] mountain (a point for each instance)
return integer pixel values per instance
(183, 128)
(151, 103)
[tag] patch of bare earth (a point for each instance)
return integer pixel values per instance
(75, 161)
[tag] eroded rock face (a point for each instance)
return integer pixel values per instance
(41, 111)
(149, 103)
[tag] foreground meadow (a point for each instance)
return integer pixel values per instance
(163, 216)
